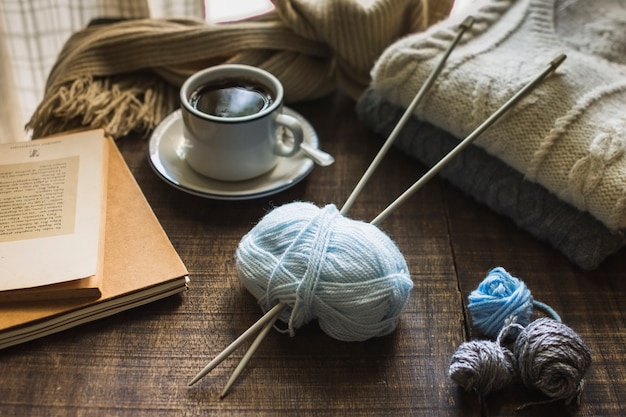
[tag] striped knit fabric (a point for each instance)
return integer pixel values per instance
(124, 76)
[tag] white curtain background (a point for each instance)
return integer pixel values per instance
(32, 32)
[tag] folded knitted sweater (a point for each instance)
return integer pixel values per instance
(582, 238)
(568, 135)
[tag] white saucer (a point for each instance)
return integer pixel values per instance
(167, 156)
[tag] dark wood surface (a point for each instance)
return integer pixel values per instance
(138, 363)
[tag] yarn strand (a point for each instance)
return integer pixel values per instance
(547, 309)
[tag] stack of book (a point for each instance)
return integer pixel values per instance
(78, 240)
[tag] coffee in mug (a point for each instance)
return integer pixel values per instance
(233, 122)
(231, 98)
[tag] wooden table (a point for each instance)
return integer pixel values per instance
(138, 363)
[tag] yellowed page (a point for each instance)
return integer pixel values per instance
(51, 204)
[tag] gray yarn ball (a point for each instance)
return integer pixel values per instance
(552, 358)
(482, 366)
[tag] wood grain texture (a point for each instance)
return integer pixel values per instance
(138, 363)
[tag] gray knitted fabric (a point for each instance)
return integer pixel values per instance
(569, 135)
(578, 235)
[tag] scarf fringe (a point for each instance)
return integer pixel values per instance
(118, 104)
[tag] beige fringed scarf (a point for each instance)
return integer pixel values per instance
(124, 76)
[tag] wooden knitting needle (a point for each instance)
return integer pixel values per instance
(465, 25)
(257, 341)
(269, 318)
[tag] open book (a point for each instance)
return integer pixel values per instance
(52, 214)
(140, 266)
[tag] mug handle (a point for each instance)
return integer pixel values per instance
(288, 149)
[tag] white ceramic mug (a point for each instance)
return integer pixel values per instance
(236, 147)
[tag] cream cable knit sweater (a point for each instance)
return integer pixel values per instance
(569, 135)
(105, 75)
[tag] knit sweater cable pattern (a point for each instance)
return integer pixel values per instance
(569, 135)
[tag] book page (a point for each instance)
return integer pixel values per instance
(51, 206)
(38, 199)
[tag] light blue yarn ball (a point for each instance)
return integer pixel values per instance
(347, 274)
(498, 297)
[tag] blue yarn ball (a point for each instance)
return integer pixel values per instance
(347, 274)
(498, 297)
